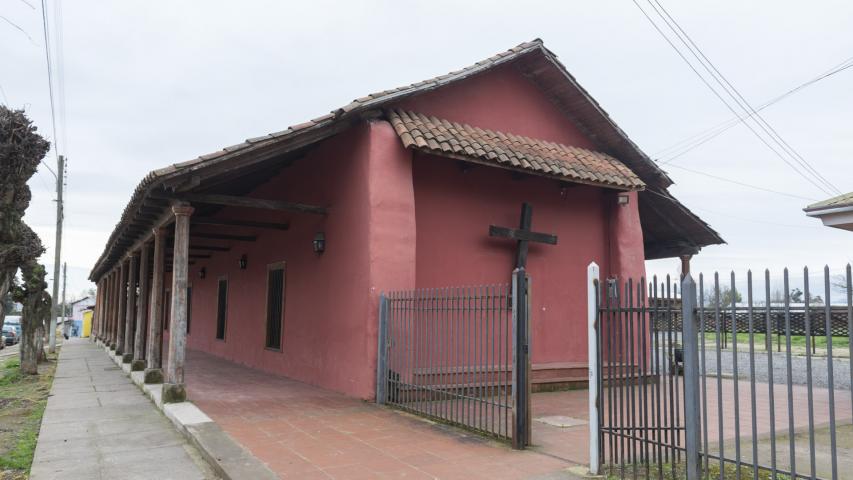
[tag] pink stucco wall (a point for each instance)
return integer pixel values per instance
(503, 100)
(329, 336)
(454, 210)
(399, 221)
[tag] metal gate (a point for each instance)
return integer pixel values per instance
(452, 354)
(690, 385)
(639, 387)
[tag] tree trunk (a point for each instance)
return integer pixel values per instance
(5, 283)
(31, 340)
(36, 312)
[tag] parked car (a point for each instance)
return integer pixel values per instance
(13, 321)
(10, 335)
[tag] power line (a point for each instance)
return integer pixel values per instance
(13, 24)
(46, 28)
(694, 141)
(726, 103)
(60, 184)
(739, 99)
(60, 74)
(728, 215)
(743, 184)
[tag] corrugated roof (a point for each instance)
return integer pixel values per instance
(458, 140)
(844, 200)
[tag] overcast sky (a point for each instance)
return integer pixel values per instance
(152, 83)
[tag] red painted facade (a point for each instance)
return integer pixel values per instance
(399, 220)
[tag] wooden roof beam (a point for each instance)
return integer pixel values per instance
(238, 223)
(192, 255)
(210, 248)
(237, 201)
(224, 236)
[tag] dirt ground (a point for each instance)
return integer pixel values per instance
(22, 402)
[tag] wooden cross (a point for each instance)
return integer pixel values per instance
(523, 234)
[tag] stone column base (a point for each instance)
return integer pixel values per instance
(112, 346)
(174, 393)
(127, 358)
(137, 365)
(153, 375)
(119, 350)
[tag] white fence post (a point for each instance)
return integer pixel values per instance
(592, 331)
(692, 405)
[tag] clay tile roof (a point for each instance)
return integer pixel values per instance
(541, 66)
(579, 165)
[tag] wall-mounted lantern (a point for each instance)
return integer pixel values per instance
(202, 272)
(243, 262)
(319, 243)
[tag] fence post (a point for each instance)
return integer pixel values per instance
(592, 362)
(519, 356)
(690, 341)
(382, 353)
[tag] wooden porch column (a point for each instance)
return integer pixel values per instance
(153, 356)
(130, 313)
(173, 387)
(113, 308)
(122, 307)
(93, 333)
(105, 318)
(138, 363)
(98, 332)
(105, 315)
(685, 265)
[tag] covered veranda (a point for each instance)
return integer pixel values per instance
(303, 431)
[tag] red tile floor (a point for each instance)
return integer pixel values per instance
(303, 431)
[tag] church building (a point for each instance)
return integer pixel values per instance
(273, 253)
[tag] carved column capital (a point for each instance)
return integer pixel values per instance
(181, 210)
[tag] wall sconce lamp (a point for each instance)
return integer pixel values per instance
(243, 261)
(202, 273)
(319, 243)
(623, 199)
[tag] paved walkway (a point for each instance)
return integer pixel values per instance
(99, 425)
(305, 432)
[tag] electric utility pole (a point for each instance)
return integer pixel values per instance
(64, 283)
(60, 177)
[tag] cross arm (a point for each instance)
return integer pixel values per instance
(525, 235)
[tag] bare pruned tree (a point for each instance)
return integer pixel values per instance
(21, 150)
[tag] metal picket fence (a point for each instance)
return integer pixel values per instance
(638, 392)
(680, 390)
(451, 354)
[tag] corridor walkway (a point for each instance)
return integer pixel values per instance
(302, 431)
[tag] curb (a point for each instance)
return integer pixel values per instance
(230, 460)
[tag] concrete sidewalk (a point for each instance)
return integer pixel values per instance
(99, 425)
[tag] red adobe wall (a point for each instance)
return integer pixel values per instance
(330, 300)
(396, 223)
(503, 100)
(454, 210)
